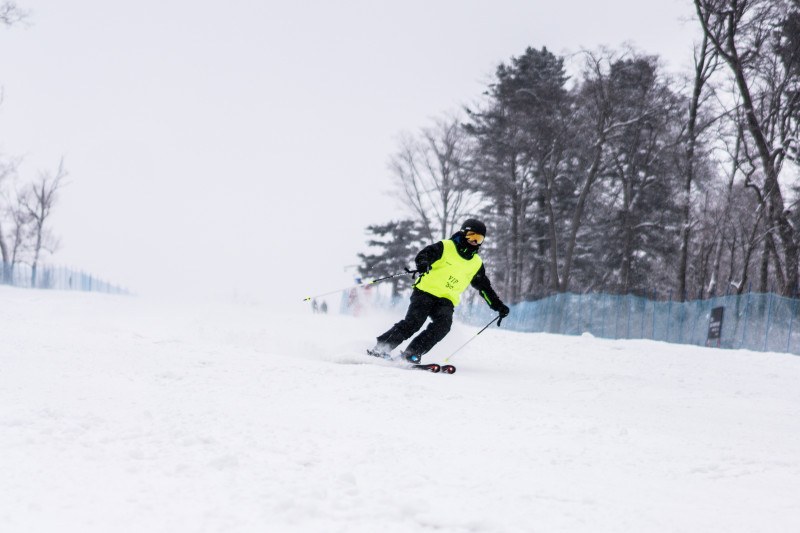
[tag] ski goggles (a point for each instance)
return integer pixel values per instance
(477, 237)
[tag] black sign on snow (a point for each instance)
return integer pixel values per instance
(715, 326)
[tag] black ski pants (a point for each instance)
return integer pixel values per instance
(423, 305)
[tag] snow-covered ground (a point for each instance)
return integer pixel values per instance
(123, 414)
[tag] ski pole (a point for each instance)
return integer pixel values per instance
(406, 273)
(447, 359)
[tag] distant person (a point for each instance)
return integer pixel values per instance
(445, 268)
(324, 307)
(314, 306)
(354, 302)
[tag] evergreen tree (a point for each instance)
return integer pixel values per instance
(521, 135)
(398, 243)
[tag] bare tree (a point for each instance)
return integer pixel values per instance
(746, 35)
(38, 202)
(705, 64)
(430, 172)
(8, 169)
(20, 231)
(11, 14)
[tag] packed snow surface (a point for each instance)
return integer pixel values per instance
(124, 414)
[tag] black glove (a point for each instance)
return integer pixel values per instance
(412, 272)
(423, 268)
(503, 310)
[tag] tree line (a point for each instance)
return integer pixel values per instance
(25, 208)
(599, 170)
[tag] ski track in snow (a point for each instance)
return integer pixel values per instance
(123, 414)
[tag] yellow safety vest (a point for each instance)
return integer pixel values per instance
(450, 275)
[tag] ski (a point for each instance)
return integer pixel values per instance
(432, 367)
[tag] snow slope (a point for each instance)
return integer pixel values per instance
(122, 414)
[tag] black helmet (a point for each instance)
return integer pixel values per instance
(465, 249)
(473, 224)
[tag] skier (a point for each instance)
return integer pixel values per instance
(445, 269)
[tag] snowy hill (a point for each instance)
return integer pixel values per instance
(122, 414)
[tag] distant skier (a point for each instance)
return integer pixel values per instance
(445, 268)
(354, 299)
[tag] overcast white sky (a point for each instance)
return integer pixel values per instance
(242, 146)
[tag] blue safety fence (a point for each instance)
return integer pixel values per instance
(762, 322)
(753, 321)
(55, 277)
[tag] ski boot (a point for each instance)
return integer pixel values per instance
(381, 350)
(412, 358)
